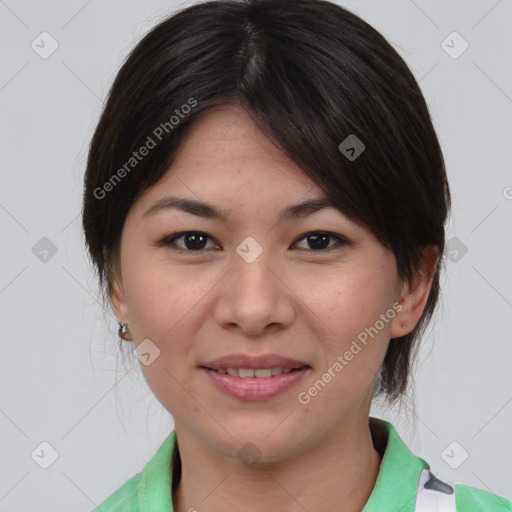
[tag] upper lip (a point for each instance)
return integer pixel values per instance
(256, 362)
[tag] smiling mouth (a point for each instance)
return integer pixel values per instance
(259, 373)
(255, 384)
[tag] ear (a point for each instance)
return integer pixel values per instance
(118, 300)
(415, 292)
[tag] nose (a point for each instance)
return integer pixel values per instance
(254, 297)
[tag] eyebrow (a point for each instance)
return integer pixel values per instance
(201, 209)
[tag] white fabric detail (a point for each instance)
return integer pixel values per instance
(434, 499)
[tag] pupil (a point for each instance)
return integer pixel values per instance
(198, 241)
(318, 241)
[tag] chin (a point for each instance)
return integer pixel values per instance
(260, 444)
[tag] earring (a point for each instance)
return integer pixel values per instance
(123, 330)
(404, 326)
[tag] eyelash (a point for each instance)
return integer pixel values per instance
(168, 241)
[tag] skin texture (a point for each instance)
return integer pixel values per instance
(293, 300)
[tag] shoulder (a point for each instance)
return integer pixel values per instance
(123, 499)
(434, 495)
(150, 489)
(402, 474)
(471, 499)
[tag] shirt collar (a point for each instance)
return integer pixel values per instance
(155, 492)
(397, 481)
(394, 490)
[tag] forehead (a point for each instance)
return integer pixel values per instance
(228, 136)
(226, 159)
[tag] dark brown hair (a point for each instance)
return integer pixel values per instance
(311, 74)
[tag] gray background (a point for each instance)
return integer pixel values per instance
(63, 379)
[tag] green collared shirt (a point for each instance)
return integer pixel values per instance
(394, 491)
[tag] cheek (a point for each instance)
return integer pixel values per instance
(352, 351)
(161, 309)
(166, 306)
(148, 298)
(346, 311)
(159, 297)
(349, 301)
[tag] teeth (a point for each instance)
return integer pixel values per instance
(247, 373)
(263, 372)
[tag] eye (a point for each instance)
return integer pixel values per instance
(196, 241)
(319, 241)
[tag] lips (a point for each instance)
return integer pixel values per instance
(255, 362)
(255, 389)
(254, 378)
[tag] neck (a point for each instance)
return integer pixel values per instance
(341, 470)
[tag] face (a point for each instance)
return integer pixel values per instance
(253, 284)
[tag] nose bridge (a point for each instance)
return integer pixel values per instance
(252, 273)
(253, 297)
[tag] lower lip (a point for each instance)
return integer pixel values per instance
(254, 388)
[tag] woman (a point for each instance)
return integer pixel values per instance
(265, 199)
